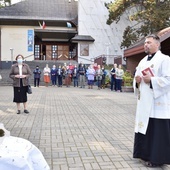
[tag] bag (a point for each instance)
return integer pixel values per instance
(29, 90)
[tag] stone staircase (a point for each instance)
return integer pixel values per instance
(6, 81)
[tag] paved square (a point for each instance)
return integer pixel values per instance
(76, 129)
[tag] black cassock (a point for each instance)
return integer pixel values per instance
(155, 145)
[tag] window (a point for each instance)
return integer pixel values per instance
(54, 51)
(37, 51)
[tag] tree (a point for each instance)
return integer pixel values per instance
(4, 3)
(151, 16)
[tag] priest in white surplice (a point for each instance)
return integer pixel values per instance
(152, 124)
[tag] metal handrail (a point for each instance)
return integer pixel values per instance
(29, 56)
(91, 60)
(104, 55)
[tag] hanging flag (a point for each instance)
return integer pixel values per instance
(69, 25)
(43, 26)
(40, 25)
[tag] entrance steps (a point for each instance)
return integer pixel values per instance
(6, 81)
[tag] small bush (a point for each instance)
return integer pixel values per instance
(127, 79)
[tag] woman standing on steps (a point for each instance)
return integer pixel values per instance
(90, 76)
(46, 72)
(20, 73)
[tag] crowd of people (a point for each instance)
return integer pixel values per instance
(76, 75)
(79, 76)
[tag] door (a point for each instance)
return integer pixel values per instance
(63, 52)
(48, 52)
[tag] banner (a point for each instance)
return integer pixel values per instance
(30, 40)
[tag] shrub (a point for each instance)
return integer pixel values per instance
(127, 79)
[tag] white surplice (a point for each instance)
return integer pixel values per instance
(17, 153)
(153, 102)
(20, 154)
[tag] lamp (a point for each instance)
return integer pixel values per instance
(11, 49)
(70, 1)
(124, 58)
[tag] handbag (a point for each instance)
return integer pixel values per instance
(29, 90)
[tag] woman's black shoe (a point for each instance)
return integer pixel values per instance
(26, 111)
(18, 112)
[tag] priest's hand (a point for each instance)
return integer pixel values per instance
(138, 79)
(147, 78)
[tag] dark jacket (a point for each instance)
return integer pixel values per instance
(60, 72)
(37, 73)
(82, 71)
(15, 71)
(75, 73)
(113, 73)
(53, 74)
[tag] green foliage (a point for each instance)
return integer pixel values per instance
(130, 36)
(127, 79)
(107, 80)
(152, 15)
(108, 67)
(4, 3)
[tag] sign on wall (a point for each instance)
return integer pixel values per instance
(30, 40)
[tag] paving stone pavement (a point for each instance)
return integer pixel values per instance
(76, 129)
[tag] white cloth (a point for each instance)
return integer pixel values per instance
(119, 73)
(46, 71)
(17, 153)
(7, 133)
(154, 103)
(20, 70)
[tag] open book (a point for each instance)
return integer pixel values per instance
(147, 71)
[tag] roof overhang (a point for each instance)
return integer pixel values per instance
(82, 38)
(164, 34)
(133, 51)
(55, 35)
(138, 48)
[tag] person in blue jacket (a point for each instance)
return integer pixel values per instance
(37, 76)
(60, 76)
(54, 75)
(75, 76)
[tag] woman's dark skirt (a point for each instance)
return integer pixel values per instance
(20, 93)
(155, 145)
(90, 82)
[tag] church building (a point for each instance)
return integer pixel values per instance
(59, 30)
